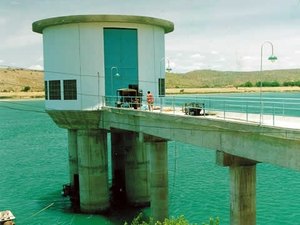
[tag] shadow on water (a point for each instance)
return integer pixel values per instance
(56, 204)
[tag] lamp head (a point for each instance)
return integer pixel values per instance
(272, 58)
(117, 75)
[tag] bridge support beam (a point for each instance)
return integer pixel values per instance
(242, 188)
(137, 171)
(158, 150)
(93, 171)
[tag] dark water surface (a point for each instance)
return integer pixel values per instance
(34, 165)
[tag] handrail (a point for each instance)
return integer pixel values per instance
(220, 105)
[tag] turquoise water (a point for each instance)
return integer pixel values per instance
(34, 159)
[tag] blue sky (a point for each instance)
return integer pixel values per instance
(209, 34)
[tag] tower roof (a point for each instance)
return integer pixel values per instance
(40, 25)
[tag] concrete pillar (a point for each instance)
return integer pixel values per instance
(93, 170)
(158, 178)
(137, 170)
(242, 188)
(243, 195)
(73, 157)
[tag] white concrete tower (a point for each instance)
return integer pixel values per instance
(82, 56)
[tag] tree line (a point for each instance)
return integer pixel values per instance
(270, 84)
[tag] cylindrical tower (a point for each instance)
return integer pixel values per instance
(84, 53)
(87, 58)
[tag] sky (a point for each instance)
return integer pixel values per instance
(225, 35)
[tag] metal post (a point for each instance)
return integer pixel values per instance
(111, 80)
(272, 58)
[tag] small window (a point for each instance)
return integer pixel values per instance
(46, 90)
(161, 87)
(54, 90)
(70, 90)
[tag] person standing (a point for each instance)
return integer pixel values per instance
(150, 100)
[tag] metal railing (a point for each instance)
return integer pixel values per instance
(243, 108)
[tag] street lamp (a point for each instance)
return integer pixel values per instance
(111, 77)
(161, 80)
(272, 58)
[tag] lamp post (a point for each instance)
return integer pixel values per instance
(160, 79)
(111, 77)
(272, 58)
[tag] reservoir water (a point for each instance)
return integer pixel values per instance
(34, 166)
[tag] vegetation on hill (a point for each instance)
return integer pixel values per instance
(22, 80)
(217, 79)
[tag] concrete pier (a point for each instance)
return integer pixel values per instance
(93, 170)
(243, 195)
(159, 178)
(242, 188)
(137, 173)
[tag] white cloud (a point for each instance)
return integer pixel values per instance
(248, 57)
(197, 56)
(213, 52)
(36, 67)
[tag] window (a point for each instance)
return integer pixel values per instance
(46, 90)
(70, 90)
(54, 90)
(161, 87)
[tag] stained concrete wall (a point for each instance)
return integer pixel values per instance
(93, 170)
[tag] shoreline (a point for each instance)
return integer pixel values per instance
(230, 90)
(22, 95)
(169, 91)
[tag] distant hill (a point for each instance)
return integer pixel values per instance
(212, 78)
(16, 80)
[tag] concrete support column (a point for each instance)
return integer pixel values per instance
(73, 157)
(137, 170)
(243, 195)
(93, 170)
(242, 188)
(158, 178)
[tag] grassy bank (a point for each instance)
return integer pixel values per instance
(229, 90)
(227, 79)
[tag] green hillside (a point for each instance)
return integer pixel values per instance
(212, 78)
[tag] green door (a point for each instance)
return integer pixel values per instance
(120, 58)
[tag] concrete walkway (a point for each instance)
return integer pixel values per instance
(267, 120)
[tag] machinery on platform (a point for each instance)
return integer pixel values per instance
(129, 98)
(193, 109)
(7, 218)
